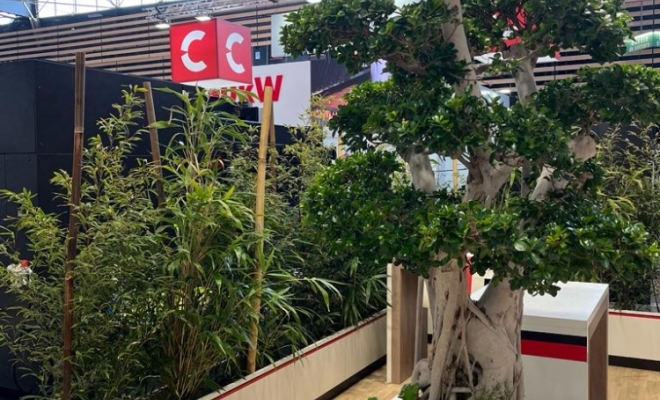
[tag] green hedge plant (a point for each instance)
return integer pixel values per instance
(162, 294)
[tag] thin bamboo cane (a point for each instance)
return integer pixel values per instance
(454, 169)
(273, 146)
(76, 178)
(153, 139)
(266, 126)
(420, 330)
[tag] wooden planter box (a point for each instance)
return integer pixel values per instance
(321, 370)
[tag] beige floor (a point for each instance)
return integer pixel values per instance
(624, 384)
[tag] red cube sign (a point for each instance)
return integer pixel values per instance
(214, 49)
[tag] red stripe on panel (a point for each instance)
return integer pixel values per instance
(560, 351)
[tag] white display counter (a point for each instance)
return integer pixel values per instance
(564, 343)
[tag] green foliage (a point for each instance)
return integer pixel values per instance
(630, 161)
(572, 233)
(597, 28)
(119, 255)
(360, 214)
(617, 94)
(210, 312)
(408, 114)
(362, 288)
(359, 32)
(357, 210)
(163, 295)
(410, 37)
(408, 392)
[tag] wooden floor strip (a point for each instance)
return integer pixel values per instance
(623, 384)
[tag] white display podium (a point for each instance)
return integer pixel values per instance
(564, 340)
(564, 343)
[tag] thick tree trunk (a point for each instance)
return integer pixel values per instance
(469, 350)
(476, 348)
(502, 305)
(525, 80)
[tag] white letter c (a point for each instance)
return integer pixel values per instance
(232, 39)
(193, 66)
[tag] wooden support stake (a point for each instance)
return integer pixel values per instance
(273, 145)
(421, 329)
(454, 170)
(266, 126)
(401, 323)
(153, 139)
(76, 179)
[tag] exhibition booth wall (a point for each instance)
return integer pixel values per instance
(37, 129)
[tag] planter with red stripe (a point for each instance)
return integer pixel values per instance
(321, 371)
(633, 339)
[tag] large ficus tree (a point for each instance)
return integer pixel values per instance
(530, 210)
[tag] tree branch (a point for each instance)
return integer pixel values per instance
(399, 59)
(422, 172)
(583, 147)
(481, 69)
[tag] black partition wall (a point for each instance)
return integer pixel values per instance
(36, 137)
(36, 114)
(36, 110)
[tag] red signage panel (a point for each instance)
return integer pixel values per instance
(193, 51)
(234, 52)
(214, 49)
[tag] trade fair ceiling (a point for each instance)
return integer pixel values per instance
(36, 9)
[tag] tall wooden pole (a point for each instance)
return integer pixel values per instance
(266, 126)
(273, 144)
(153, 139)
(76, 179)
(454, 173)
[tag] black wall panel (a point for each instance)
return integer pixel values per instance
(327, 73)
(54, 104)
(17, 108)
(3, 205)
(46, 197)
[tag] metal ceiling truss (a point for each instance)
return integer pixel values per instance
(26, 11)
(165, 12)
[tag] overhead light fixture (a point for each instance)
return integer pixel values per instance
(203, 18)
(504, 91)
(162, 25)
(313, 1)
